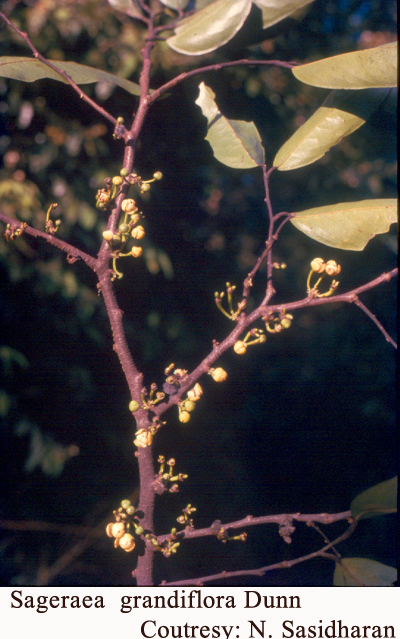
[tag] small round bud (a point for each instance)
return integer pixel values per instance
(124, 228)
(138, 232)
(108, 236)
(128, 206)
(286, 323)
(145, 187)
(118, 530)
(158, 175)
(130, 510)
(188, 405)
(125, 503)
(278, 328)
(136, 251)
(134, 406)
(318, 265)
(124, 172)
(262, 338)
(184, 417)
(218, 374)
(135, 218)
(143, 438)
(127, 542)
(120, 120)
(171, 462)
(117, 180)
(139, 530)
(109, 529)
(240, 348)
(332, 268)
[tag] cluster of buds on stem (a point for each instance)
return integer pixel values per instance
(321, 268)
(185, 519)
(254, 336)
(232, 314)
(167, 480)
(189, 404)
(129, 228)
(124, 523)
(12, 232)
(50, 226)
(223, 535)
(173, 379)
(275, 323)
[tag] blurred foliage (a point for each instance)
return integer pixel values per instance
(304, 423)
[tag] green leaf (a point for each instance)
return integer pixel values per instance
(315, 137)
(234, 142)
(377, 500)
(348, 225)
(274, 11)
(126, 6)
(29, 70)
(366, 572)
(375, 67)
(210, 28)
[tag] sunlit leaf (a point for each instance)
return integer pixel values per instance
(210, 28)
(315, 137)
(129, 7)
(234, 143)
(348, 225)
(29, 70)
(375, 67)
(363, 572)
(275, 10)
(377, 500)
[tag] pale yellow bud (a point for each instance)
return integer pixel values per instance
(240, 348)
(108, 235)
(136, 251)
(138, 232)
(332, 268)
(184, 416)
(128, 206)
(218, 374)
(127, 542)
(118, 530)
(318, 265)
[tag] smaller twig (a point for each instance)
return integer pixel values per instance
(261, 571)
(63, 74)
(358, 303)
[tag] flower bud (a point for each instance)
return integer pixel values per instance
(218, 374)
(109, 529)
(138, 232)
(332, 268)
(130, 510)
(128, 206)
(125, 503)
(318, 265)
(124, 172)
(118, 530)
(184, 417)
(108, 235)
(240, 348)
(195, 393)
(188, 405)
(134, 406)
(145, 187)
(136, 251)
(124, 228)
(157, 175)
(143, 438)
(285, 323)
(117, 180)
(127, 542)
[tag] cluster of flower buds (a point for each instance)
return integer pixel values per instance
(232, 315)
(106, 196)
(254, 336)
(318, 266)
(223, 536)
(167, 480)
(170, 545)
(173, 379)
(149, 399)
(50, 226)
(276, 322)
(12, 232)
(188, 405)
(185, 519)
(124, 521)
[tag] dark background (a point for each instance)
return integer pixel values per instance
(304, 422)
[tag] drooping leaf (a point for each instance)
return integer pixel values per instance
(348, 225)
(366, 572)
(129, 7)
(377, 500)
(234, 142)
(376, 67)
(341, 113)
(274, 11)
(175, 4)
(29, 70)
(210, 28)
